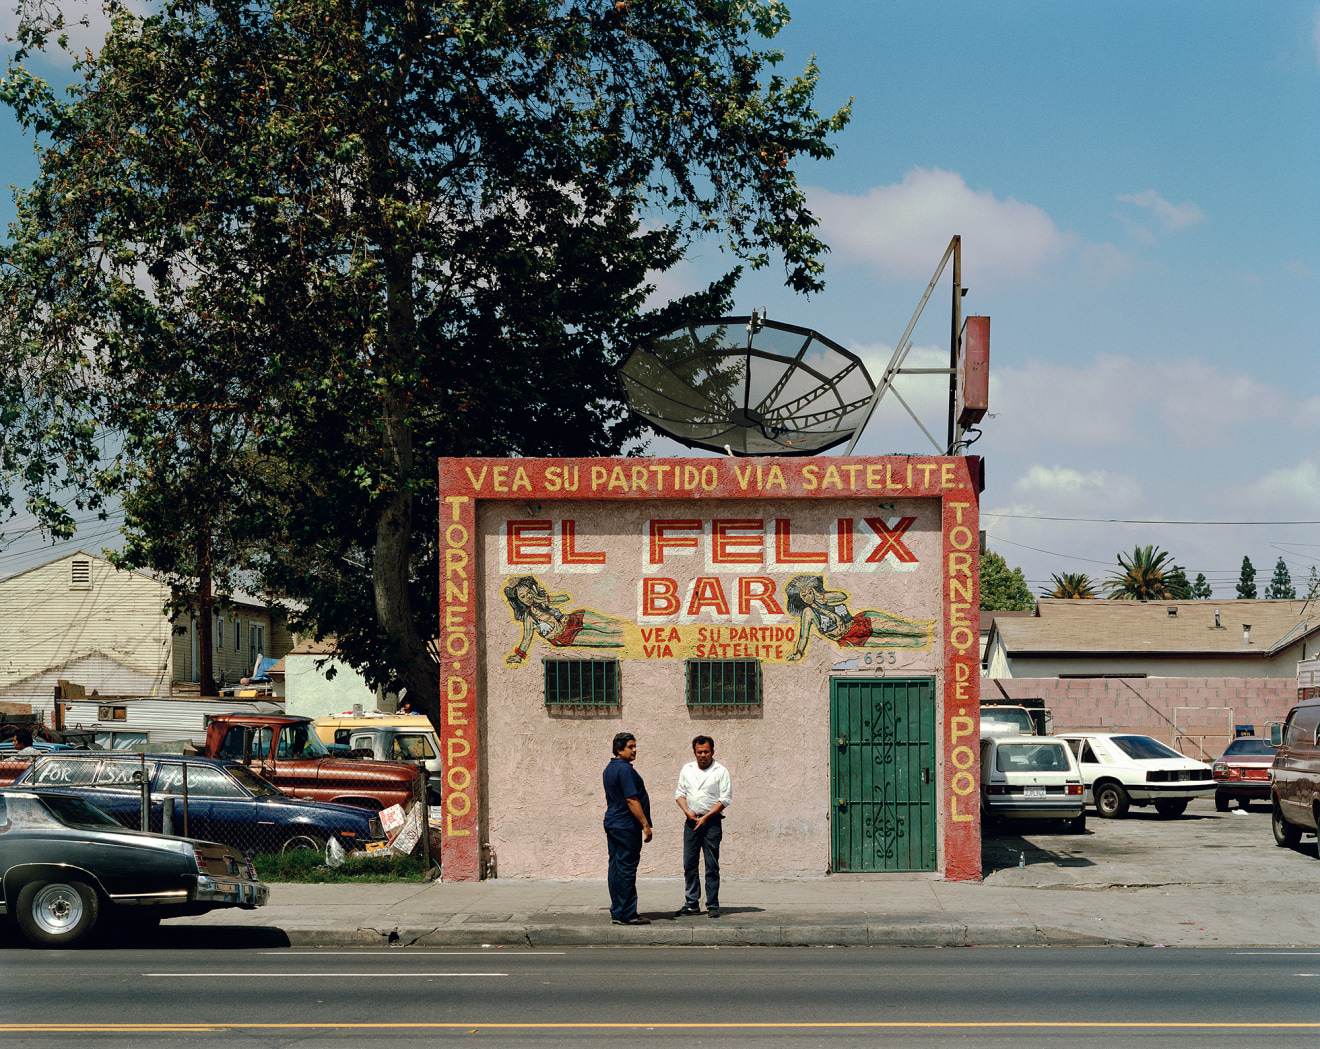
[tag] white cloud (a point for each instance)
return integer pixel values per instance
(904, 229)
(1297, 269)
(1171, 216)
(1291, 487)
(1117, 402)
(1062, 486)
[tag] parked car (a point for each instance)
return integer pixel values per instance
(67, 868)
(1031, 777)
(226, 801)
(1242, 773)
(1295, 775)
(1121, 769)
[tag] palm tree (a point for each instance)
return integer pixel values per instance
(1070, 585)
(1148, 574)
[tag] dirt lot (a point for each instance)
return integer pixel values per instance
(1202, 847)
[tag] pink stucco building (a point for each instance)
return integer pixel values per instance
(816, 616)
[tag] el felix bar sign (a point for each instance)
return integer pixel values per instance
(783, 484)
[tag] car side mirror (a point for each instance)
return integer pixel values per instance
(1276, 733)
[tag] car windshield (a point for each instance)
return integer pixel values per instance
(1249, 746)
(1143, 747)
(75, 812)
(1031, 757)
(1009, 716)
(299, 741)
(258, 787)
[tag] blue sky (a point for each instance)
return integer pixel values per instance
(1135, 185)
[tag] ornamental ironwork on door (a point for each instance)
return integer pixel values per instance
(882, 774)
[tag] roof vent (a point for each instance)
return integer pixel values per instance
(1173, 611)
(1218, 625)
(1246, 633)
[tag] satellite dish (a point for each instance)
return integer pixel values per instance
(748, 386)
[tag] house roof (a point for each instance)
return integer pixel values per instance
(1173, 628)
(236, 598)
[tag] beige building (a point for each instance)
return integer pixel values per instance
(81, 619)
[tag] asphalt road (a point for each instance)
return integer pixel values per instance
(663, 997)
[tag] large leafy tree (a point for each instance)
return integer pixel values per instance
(1148, 574)
(1281, 586)
(1246, 585)
(1071, 585)
(362, 235)
(1003, 589)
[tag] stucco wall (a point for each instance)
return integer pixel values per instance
(542, 777)
(1158, 706)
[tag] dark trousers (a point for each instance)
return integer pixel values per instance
(625, 853)
(702, 841)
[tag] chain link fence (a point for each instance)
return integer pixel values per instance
(379, 807)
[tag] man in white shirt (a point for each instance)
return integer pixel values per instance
(704, 792)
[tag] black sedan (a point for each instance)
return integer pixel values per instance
(66, 867)
(202, 797)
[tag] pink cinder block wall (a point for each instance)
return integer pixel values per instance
(1158, 707)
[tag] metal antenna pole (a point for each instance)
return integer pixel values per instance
(953, 342)
(892, 369)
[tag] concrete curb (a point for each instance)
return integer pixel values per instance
(798, 935)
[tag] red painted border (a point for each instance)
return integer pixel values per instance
(465, 482)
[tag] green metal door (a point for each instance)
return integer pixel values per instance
(882, 774)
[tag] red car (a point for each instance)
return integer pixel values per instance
(1242, 772)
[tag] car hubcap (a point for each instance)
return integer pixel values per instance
(57, 908)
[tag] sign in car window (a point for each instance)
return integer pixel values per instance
(121, 773)
(66, 772)
(204, 781)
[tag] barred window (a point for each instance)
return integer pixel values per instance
(581, 682)
(723, 683)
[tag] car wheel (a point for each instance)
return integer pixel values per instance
(57, 913)
(304, 841)
(1221, 802)
(1171, 806)
(1111, 800)
(1286, 835)
(1077, 825)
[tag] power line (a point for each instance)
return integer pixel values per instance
(1126, 520)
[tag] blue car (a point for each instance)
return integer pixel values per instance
(221, 801)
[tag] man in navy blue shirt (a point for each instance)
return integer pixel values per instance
(627, 825)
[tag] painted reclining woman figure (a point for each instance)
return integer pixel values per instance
(827, 611)
(535, 609)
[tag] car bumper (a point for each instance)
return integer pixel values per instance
(1258, 789)
(231, 892)
(1146, 792)
(1043, 809)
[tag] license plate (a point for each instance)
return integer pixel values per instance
(1033, 792)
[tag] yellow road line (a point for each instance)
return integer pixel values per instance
(633, 1026)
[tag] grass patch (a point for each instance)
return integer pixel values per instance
(309, 866)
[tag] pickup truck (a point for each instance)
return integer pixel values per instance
(404, 737)
(286, 751)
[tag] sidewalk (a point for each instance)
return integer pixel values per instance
(1033, 905)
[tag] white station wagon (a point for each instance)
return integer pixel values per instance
(1121, 769)
(1031, 777)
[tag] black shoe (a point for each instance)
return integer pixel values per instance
(686, 910)
(639, 920)
(712, 912)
